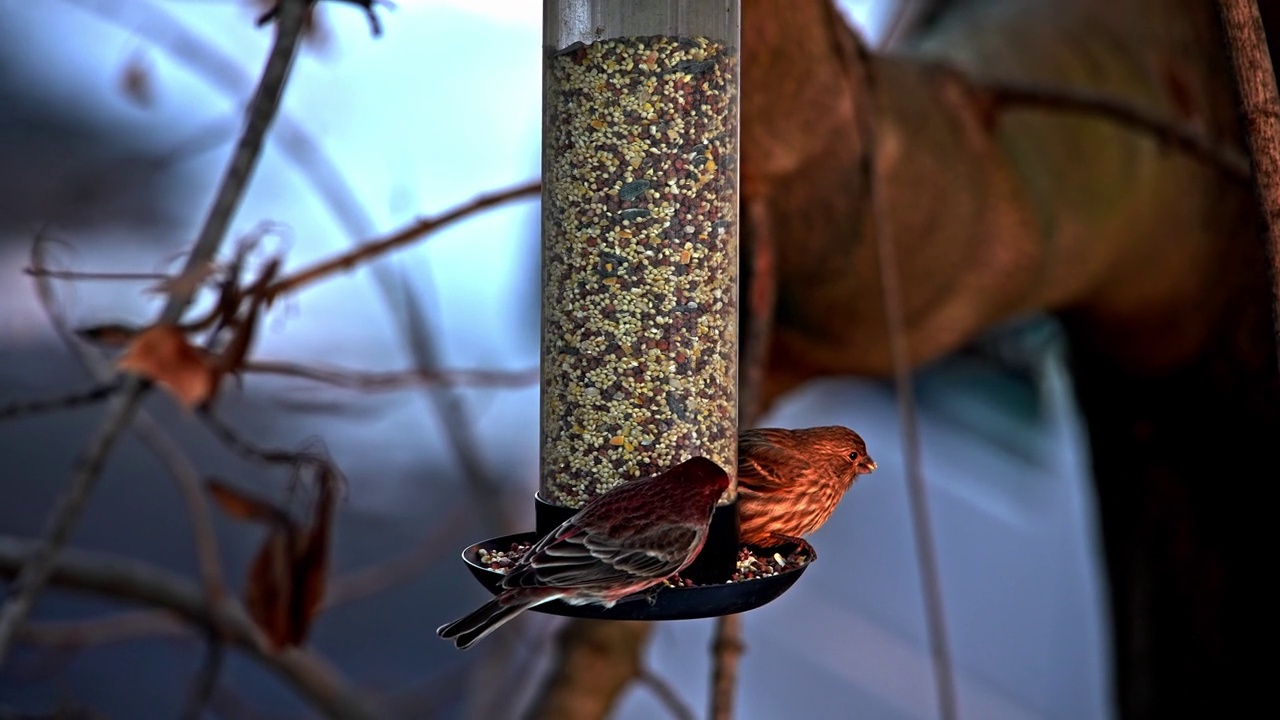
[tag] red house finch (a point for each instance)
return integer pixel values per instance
(623, 542)
(789, 481)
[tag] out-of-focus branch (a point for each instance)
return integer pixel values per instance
(206, 679)
(399, 239)
(1256, 83)
(485, 487)
(94, 632)
(151, 434)
(396, 379)
(249, 450)
(369, 581)
(726, 649)
(23, 408)
(125, 579)
(727, 646)
(81, 276)
(224, 72)
(352, 587)
(666, 695)
(597, 660)
(1007, 95)
(262, 111)
(184, 473)
(913, 467)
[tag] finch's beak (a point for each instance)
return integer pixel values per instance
(867, 466)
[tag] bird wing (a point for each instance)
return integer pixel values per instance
(760, 458)
(579, 558)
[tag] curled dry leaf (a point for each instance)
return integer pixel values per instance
(162, 354)
(289, 572)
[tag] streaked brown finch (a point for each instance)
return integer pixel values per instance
(790, 481)
(618, 545)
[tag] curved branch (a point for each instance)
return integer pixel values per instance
(122, 578)
(124, 404)
(1188, 138)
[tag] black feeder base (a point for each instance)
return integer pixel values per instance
(712, 595)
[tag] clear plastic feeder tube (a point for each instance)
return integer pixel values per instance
(639, 241)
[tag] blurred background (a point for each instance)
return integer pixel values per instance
(116, 119)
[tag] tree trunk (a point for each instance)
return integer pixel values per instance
(1149, 255)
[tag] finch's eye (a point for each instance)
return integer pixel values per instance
(854, 456)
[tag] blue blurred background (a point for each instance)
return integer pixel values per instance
(116, 119)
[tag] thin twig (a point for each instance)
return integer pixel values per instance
(917, 491)
(763, 302)
(263, 108)
(80, 276)
(666, 694)
(250, 450)
(394, 380)
(223, 71)
(151, 434)
(192, 489)
(95, 632)
(905, 18)
(342, 590)
(126, 579)
(372, 580)
(226, 704)
(24, 408)
(486, 489)
(1256, 83)
(398, 239)
(206, 679)
(1184, 136)
(727, 648)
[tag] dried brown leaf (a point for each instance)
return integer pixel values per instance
(162, 354)
(312, 568)
(289, 573)
(271, 593)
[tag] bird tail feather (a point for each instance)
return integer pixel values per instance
(470, 629)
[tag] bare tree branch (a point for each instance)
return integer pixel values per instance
(223, 71)
(151, 434)
(80, 276)
(666, 695)
(917, 490)
(1007, 95)
(192, 489)
(250, 450)
(369, 581)
(596, 660)
(486, 489)
(1256, 84)
(727, 648)
(206, 679)
(396, 379)
(23, 408)
(401, 238)
(115, 628)
(351, 587)
(122, 578)
(263, 108)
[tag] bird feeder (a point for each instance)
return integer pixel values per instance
(640, 227)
